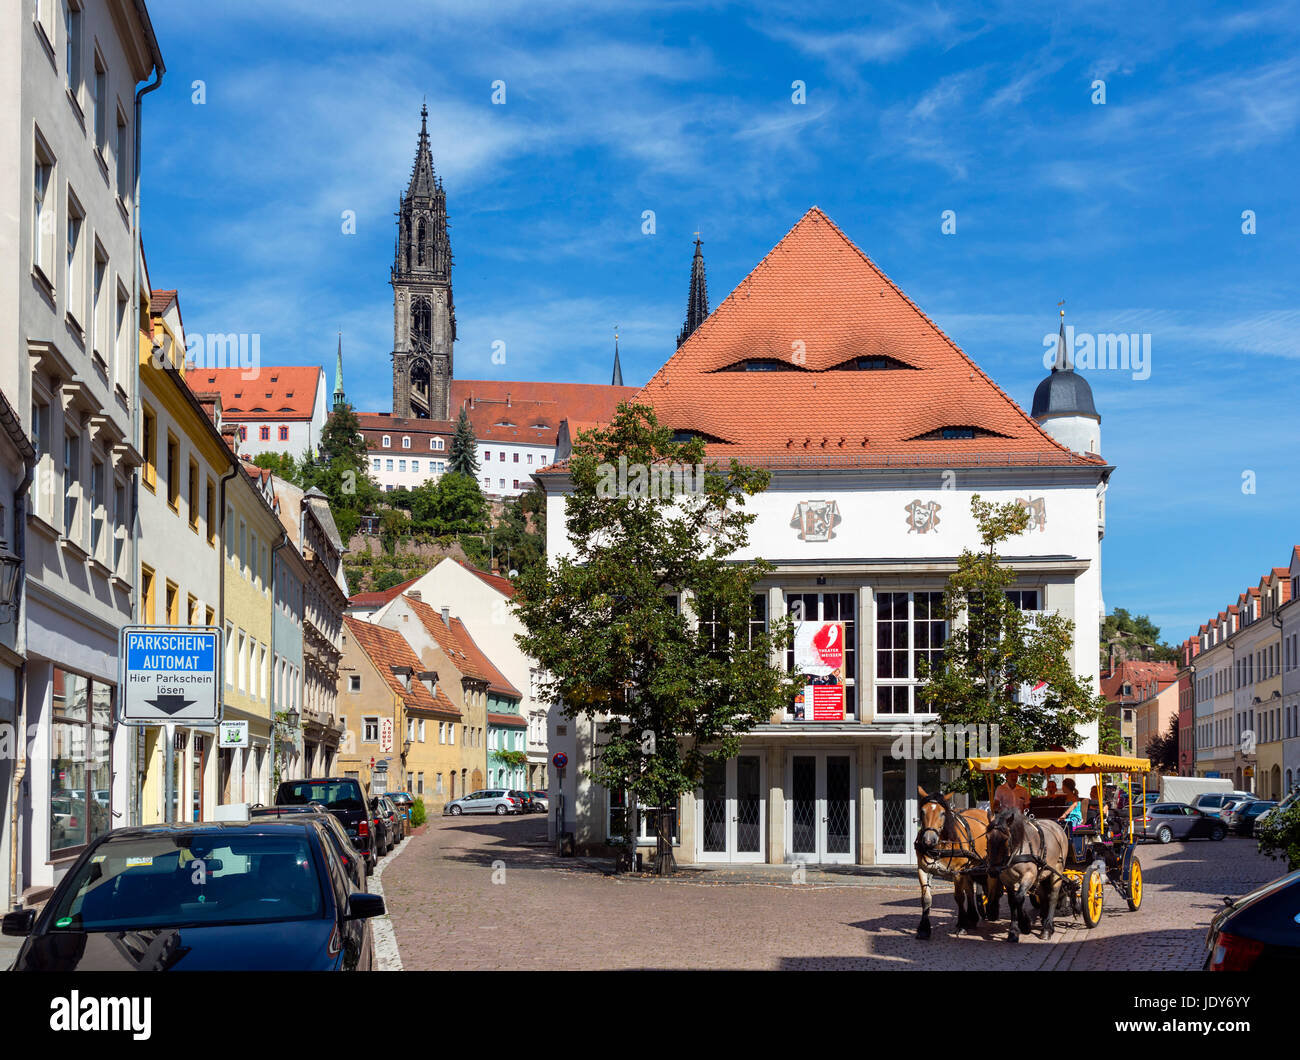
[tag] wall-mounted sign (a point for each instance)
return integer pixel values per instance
(170, 675)
(819, 656)
(386, 735)
(232, 734)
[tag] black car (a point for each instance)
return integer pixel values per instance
(342, 797)
(267, 894)
(353, 862)
(396, 816)
(1242, 820)
(525, 799)
(1259, 932)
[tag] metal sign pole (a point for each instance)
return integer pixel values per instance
(169, 764)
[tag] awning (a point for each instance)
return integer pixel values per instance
(1060, 762)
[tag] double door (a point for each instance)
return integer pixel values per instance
(896, 804)
(822, 820)
(732, 810)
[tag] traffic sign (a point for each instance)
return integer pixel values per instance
(559, 760)
(170, 675)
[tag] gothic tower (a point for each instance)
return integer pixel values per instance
(697, 300)
(424, 319)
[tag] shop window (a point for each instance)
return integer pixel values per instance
(80, 807)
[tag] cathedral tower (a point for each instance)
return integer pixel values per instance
(424, 318)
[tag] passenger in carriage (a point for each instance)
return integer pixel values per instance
(1076, 810)
(1010, 796)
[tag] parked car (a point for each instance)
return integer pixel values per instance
(342, 797)
(353, 861)
(1213, 801)
(381, 826)
(524, 798)
(403, 800)
(1242, 820)
(1258, 932)
(231, 896)
(1167, 821)
(541, 801)
(1285, 804)
(1232, 805)
(488, 800)
(396, 822)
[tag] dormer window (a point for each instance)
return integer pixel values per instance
(949, 433)
(388, 442)
(406, 443)
(760, 364)
(436, 444)
(956, 432)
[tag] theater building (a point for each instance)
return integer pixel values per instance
(877, 430)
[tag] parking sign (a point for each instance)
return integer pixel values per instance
(170, 675)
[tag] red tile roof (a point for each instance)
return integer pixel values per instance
(513, 721)
(386, 648)
(529, 412)
(1138, 673)
(281, 393)
(465, 654)
(161, 301)
(815, 303)
(381, 596)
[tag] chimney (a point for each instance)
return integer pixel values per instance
(507, 399)
(446, 617)
(414, 594)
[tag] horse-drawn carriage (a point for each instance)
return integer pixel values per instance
(1036, 860)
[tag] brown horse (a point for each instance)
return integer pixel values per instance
(1029, 857)
(947, 842)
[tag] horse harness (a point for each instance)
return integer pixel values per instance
(1027, 857)
(966, 851)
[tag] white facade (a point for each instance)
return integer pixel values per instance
(1289, 613)
(292, 436)
(831, 792)
(68, 75)
(505, 469)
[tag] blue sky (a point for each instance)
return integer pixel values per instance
(1131, 211)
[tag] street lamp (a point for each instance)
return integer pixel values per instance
(10, 565)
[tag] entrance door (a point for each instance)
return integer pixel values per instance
(732, 813)
(822, 814)
(896, 805)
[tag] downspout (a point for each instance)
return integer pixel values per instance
(275, 760)
(20, 693)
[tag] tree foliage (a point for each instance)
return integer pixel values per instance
(601, 621)
(281, 465)
(464, 447)
(1139, 631)
(1279, 835)
(1162, 749)
(994, 648)
(519, 538)
(342, 471)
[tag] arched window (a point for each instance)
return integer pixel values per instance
(387, 441)
(406, 442)
(419, 243)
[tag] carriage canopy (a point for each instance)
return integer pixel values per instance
(1060, 762)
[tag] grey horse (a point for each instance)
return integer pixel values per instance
(1028, 856)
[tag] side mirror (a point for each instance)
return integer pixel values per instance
(19, 922)
(363, 906)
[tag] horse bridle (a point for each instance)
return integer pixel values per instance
(1039, 860)
(946, 854)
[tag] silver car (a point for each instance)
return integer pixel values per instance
(488, 800)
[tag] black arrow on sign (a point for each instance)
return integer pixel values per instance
(171, 703)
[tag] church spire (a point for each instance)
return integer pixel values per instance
(617, 378)
(424, 183)
(697, 301)
(338, 374)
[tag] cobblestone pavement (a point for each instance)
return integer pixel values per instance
(553, 913)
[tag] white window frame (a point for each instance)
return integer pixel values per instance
(910, 681)
(369, 734)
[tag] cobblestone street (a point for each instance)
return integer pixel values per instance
(549, 913)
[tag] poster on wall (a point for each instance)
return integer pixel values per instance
(819, 656)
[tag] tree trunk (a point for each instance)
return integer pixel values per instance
(665, 863)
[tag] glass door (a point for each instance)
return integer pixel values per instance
(732, 812)
(896, 804)
(823, 810)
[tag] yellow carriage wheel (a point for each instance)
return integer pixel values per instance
(1134, 882)
(1094, 893)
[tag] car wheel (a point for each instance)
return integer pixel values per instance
(1165, 834)
(502, 811)
(1218, 832)
(455, 811)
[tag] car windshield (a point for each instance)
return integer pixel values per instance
(333, 794)
(138, 882)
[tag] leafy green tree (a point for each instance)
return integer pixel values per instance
(519, 539)
(464, 447)
(1162, 749)
(602, 622)
(342, 471)
(386, 579)
(282, 465)
(1139, 632)
(993, 649)
(458, 505)
(1279, 835)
